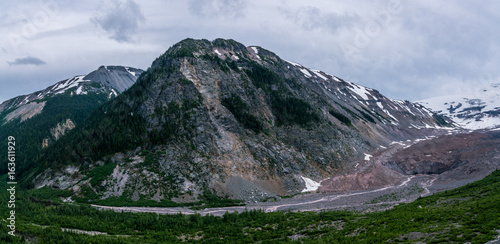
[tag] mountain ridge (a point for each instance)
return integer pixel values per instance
(234, 120)
(97, 76)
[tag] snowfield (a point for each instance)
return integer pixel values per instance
(480, 109)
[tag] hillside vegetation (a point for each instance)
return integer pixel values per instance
(467, 214)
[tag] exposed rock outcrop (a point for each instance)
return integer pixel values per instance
(26, 111)
(62, 128)
(441, 154)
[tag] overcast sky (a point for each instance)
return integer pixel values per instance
(405, 50)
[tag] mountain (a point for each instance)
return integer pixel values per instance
(217, 117)
(480, 109)
(106, 79)
(38, 119)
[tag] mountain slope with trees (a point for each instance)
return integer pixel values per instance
(467, 214)
(216, 117)
(38, 119)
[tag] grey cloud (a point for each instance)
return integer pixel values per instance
(457, 44)
(310, 18)
(27, 61)
(121, 21)
(217, 8)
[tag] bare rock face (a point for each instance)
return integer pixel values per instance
(375, 177)
(59, 179)
(245, 123)
(25, 111)
(62, 128)
(58, 131)
(119, 78)
(444, 153)
(450, 160)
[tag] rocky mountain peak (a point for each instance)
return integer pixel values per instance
(221, 48)
(111, 80)
(117, 77)
(236, 120)
(230, 45)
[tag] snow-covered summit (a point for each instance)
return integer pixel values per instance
(480, 109)
(106, 79)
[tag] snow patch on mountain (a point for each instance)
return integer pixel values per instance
(113, 79)
(368, 157)
(318, 73)
(306, 73)
(63, 86)
(80, 91)
(294, 64)
(360, 90)
(112, 93)
(479, 109)
(370, 103)
(311, 185)
(130, 71)
(256, 51)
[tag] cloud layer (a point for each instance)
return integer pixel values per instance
(312, 18)
(218, 8)
(406, 50)
(121, 20)
(27, 61)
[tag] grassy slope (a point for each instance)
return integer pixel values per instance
(470, 213)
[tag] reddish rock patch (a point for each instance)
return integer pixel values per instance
(377, 176)
(444, 153)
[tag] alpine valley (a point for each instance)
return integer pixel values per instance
(213, 125)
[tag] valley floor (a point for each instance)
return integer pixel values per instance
(385, 198)
(456, 206)
(406, 190)
(378, 199)
(468, 214)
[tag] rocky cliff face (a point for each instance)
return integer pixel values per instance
(444, 153)
(119, 78)
(236, 120)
